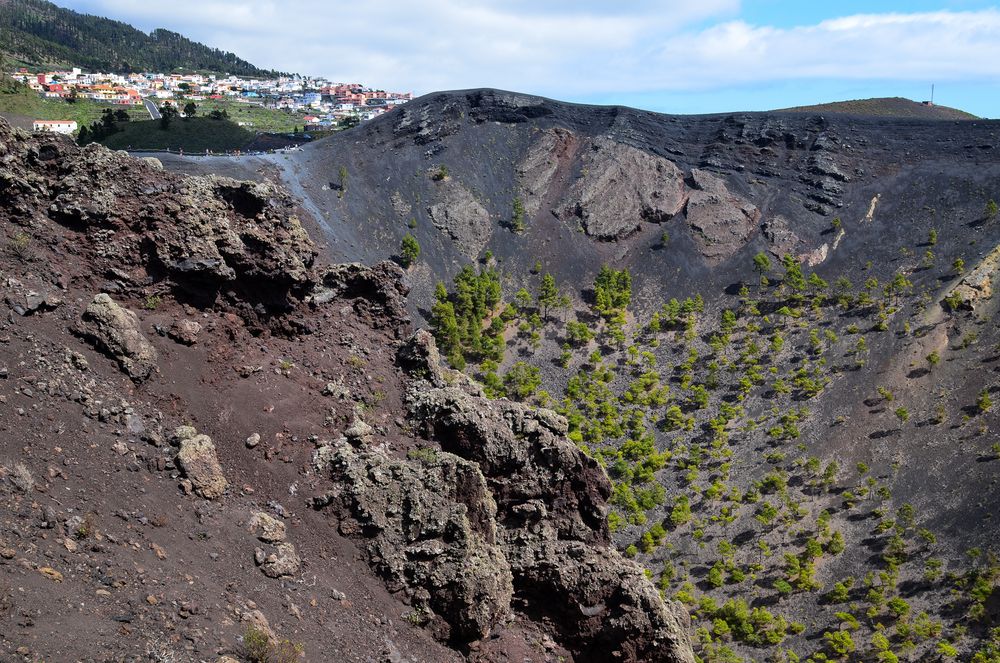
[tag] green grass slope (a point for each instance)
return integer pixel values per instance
(885, 107)
(196, 134)
(21, 105)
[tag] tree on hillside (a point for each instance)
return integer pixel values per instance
(445, 327)
(190, 109)
(409, 250)
(517, 216)
(108, 120)
(167, 114)
(762, 264)
(612, 290)
(794, 278)
(548, 295)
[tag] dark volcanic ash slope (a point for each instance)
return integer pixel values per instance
(602, 184)
(215, 447)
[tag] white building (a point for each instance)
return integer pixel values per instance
(55, 126)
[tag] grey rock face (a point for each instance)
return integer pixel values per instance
(463, 218)
(551, 504)
(620, 187)
(114, 330)
(722, 221)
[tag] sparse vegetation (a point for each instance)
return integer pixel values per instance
(409, 250)
(517, 220)
(258, 647)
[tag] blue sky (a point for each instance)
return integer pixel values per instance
(668, 55)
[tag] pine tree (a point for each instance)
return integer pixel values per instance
(517, 223)
(762, 264)
(548, 294)
(409, 250)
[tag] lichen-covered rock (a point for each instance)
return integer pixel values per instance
(429, 528)
(359, 431)
(114, 330)
(282, 562)
(198, 460)
(267, 528)
(184, 332)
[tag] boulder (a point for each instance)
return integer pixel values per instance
(200, 464)
(184, 332)
(114, 330)
(267, 528)
(283, 562)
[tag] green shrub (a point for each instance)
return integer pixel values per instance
(409, 250)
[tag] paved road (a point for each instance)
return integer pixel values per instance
(154, 112)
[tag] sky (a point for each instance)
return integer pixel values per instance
(674, 56)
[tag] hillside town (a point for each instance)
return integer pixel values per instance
(323, 103)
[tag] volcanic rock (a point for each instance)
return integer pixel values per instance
(198, 460)
(114, 330)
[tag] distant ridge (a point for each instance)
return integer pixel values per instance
(885, 107)
(39, 33)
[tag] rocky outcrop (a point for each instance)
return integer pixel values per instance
(621, 186)
(551, 503)
(462, 217)
(721, 221)
(548, 160)
(420, 358)
(224, 233)
(430, 532)
(976, 286)
(205, 236)
(380, 290)
(200, 464)
(508, 497)
(114, 330)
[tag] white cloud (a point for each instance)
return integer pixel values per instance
(943, 46)
(434, 44)
(570, 49)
